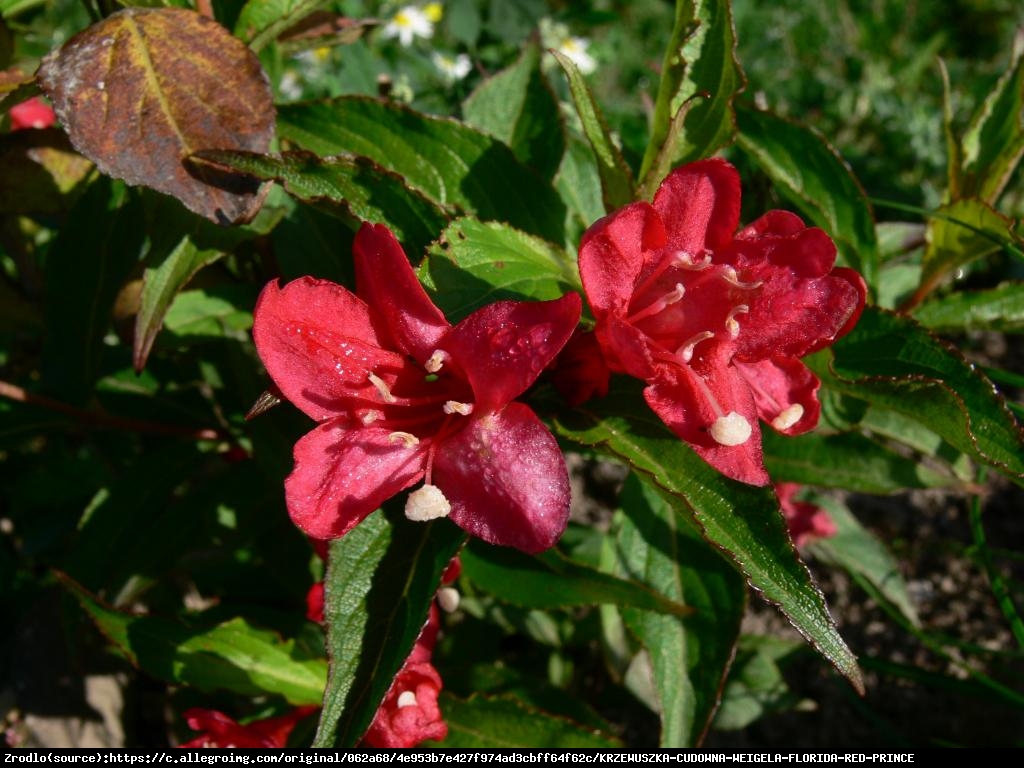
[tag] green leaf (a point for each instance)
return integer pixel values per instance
(81, 287)
(504, 722)
(211, 312)
(355, 188)
(232, 656)
(475, 263)
(449, 162)
(381, 578)
(857, 550)
(951, 244)
(996, 309)
(617, 185)
(818, 181)
(994, 142)
(742, 520)
(690, 656)
(891, 362)
(552, 580)
(518, 106)
(756, 686)
(847, 460)
(579, 184)
(700, 64)
(463, 21)
(261, 21)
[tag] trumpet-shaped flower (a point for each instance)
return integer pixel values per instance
(715, 322)
(402, 396)
(218, 731)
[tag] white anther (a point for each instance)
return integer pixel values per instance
(427, 503)
(730, 276)
(448, 598)
(788, 417)
(409, 441)
(368, 417)
(378, 382)
(454, 406)
(406, 699)
(685, 260)
(675, 295)
(686, 350)
(436, 361)
(731, 323)
(731, 429)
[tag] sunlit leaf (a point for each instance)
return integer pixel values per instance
(144, 88)
(260, 21)
(996, 309)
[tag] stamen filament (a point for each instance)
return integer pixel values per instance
(381, 387)
(672, 297)
(685, 352)
(731, 324)
(406, 438)
(729, 429)
(730, 276)
(684, 260)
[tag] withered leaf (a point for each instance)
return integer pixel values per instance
(144, 88)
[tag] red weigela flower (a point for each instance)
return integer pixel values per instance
(403, 396)
(806, 521)
(716, 322)
(34, 113)
(217, 730)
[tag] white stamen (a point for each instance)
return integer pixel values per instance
(448, 598)
(731, 429)
(686, 350)
(436, 361)
(368, 417)
(454, 406)
(731, 324)
(730, 276)
(406, 699)
(788, 417)
(427, 503)
(378, 382)
(672, 297)
(410, 441)
(685, 260)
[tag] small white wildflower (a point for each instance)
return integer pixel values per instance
(409, 23)
(453, 68)
(575, 49)
(290, 85)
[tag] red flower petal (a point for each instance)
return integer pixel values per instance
(34, 113)
(318, 344)
(342, 475)
(580, 372)
(785, 392)
(385, 279)
(506, 480)
(401, 723)
(504, 347)
(217, 730)
(699, 204)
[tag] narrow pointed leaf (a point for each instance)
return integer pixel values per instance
(742, 520)
(892, 362)
(144, 88)
(476, 263)
(354, 187)
(449, 162)
(551, 580)
(617, 185)
(233, 656)
(700, 63)
(518, 106)
(817, 180)
(690, 656)
(506, 723)
(381, 578)
(996, 309)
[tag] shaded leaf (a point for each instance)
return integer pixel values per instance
(742, 520)
(857, 550)
(700, 65)
(233, 656)
(892, 362)
(579, 184)
(503, 722)
(756, 686)
(617, 185)
(144, 88)
(355, 187)
(552, 580)
(261, 21)
(451, 163)
(40, 172)
(996, 309)
(518, 106)
(847, 460)
(381, 578)
(689, 656)
(475, 263)
(817, 180)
